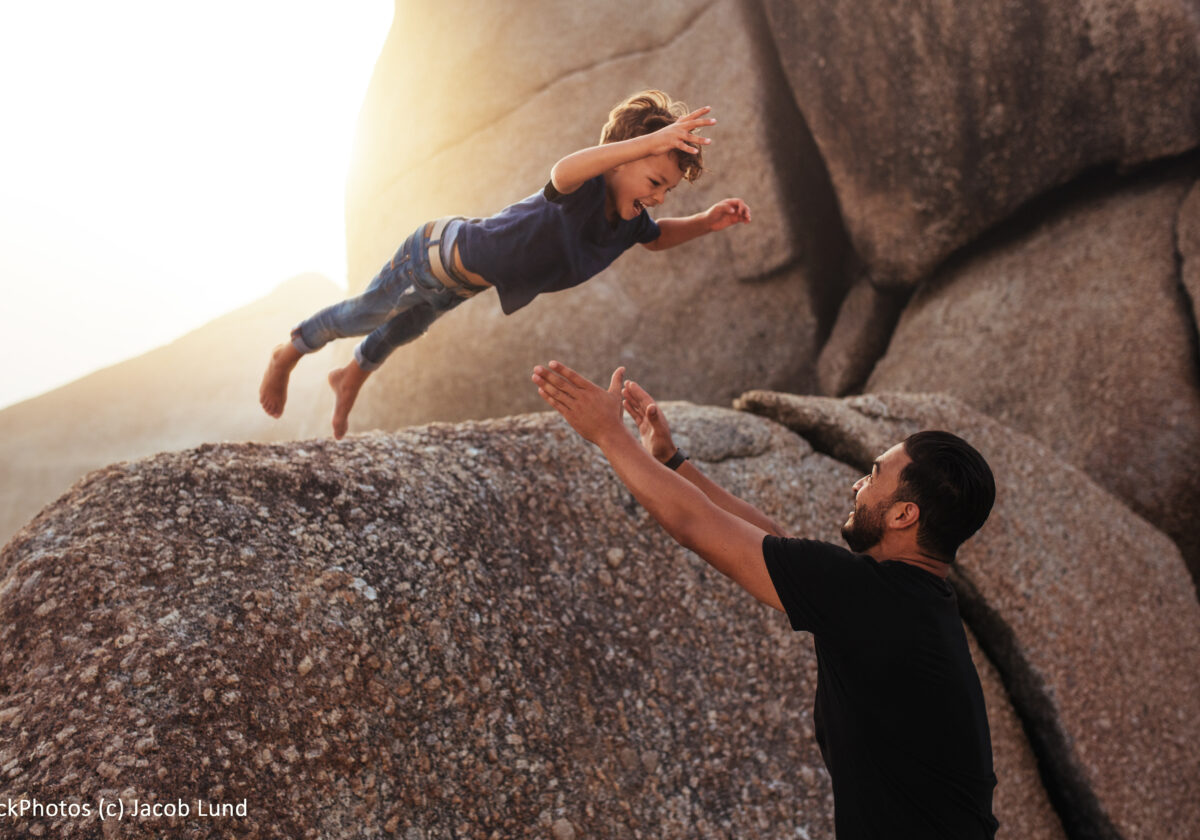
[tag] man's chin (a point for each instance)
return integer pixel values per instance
(848, 534)
(854, 540)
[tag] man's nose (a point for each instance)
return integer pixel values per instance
(858, 484)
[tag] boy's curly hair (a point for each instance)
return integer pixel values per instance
(645, 113)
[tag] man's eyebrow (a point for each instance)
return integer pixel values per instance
(875, 465)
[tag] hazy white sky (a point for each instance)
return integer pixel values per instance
(163, 163)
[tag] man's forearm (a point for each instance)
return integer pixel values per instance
(675, 502)
(731, 544)
(721, 497)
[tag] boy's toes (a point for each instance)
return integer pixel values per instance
(343, 401)
(267, 401)
(341, 420)
(271, 402)
(272, 392)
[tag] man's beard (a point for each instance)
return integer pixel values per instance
(867, 528)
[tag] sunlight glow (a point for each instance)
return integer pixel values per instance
(162, 164)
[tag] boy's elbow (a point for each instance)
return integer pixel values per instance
(560, 179)
(661, 242)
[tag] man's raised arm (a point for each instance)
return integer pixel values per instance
(730, 544)
(656, 439)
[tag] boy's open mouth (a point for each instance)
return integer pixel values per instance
(638, 206)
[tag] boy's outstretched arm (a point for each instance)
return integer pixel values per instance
(727, 542)
(672, 232)
(577, 168)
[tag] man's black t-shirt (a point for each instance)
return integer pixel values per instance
(899, 713)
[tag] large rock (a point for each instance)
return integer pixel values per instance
(492, 119)
(201, 387)
(467, 631)
(936, 120)
(1073, 328)
(1084, 607)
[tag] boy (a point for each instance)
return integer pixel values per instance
(593, 209)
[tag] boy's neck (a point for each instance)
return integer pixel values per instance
(610, 206)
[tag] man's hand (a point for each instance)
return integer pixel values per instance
(678, 135)
(591, 411)
(652, 425)
(730, 211)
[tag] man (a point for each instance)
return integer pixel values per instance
(899, 712)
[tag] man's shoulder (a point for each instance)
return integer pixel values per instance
(799, 548)
(820, 585)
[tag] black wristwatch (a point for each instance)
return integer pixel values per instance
(678, 458)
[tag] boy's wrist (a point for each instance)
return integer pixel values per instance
(640, 147)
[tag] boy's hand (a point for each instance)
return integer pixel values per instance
(591, 411)
(678, 135)
(731, 211)
(652, 425)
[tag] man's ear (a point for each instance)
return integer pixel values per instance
(903, 515)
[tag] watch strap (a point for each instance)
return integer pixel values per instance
(678, 458)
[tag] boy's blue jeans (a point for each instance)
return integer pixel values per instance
(398, 305)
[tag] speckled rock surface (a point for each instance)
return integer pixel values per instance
(454, 631)
(201, 387)
(1076, 331)
(937, 120)
(480, 139)
(457, 631)
(1085, 608)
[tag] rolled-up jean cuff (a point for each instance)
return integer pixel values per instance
(363, 362)
(298, 343)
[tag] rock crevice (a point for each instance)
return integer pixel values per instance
(1187, 264)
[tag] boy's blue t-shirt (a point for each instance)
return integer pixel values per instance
(548, 242)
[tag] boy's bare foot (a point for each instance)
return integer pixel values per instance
(346, 383)
(272, 393)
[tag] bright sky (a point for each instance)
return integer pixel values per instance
(163, 163)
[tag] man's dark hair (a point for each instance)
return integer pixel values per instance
(953, 486)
